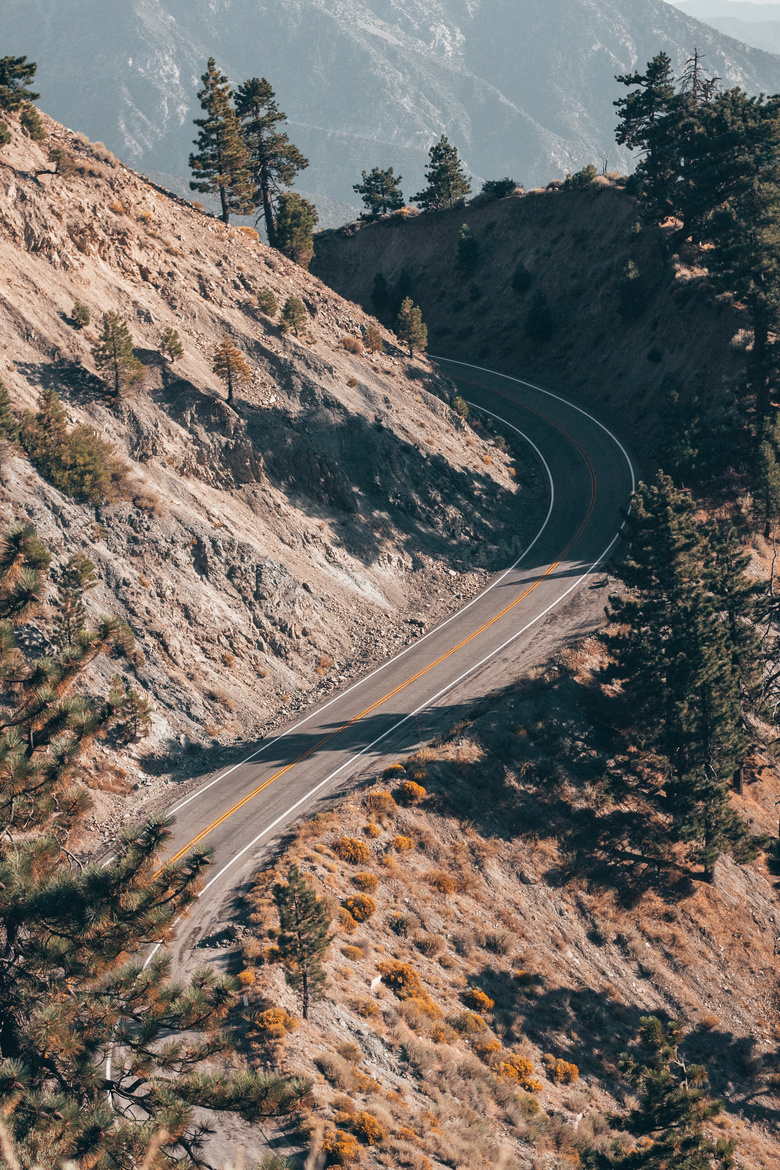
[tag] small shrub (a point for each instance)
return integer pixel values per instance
(266, 302)
(410, 793)
(352, 382)
(350, 1052)
(394, 770)
(32, 124)
(468, 1024)
(709, 1022)
(354, 954)
(560, 1071)
(249, 232)
(346, 921)
(581, 179)
(352, 344)
(117, 207)
(360, 906)
(499, 188)
(340, 1148)
(403, 844)
(402, 924)
(380, 803)
(372, 339)
(460, 406)
(372, 830)
(402, 979)
(500, 942)
(246, 978)
(351, 850)
(427, 944)
(5, 134)
(476, 998)
(367, 1008)
(442, 1034)
(79, 316)
(368, 1129)
(367, 882)
(274, 1023)
(487, 1049)
(520, 1069)
(440, 881)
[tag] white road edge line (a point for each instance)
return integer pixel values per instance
(487, 658)
(377, 670)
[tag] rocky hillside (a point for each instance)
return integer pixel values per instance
(498, 925)
(523, 87)
(620, 325)
(261, 553)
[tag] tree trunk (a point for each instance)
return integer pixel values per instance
(223, 195)
(268, 209)
(759, 377)
(739, 780)
(230, 389)
(305, 994)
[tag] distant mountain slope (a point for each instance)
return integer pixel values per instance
(521, 86)
(755, 24)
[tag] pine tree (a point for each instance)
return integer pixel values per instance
(9, 424)
(380, 292)
(372, 339)
(448, 185)
(113, 355)
(303, 938)
(266, 302)
(468, 251)
(296, 219)
(410, 328)
(77, 577)
(221, 165)
(273, 160)
(380, 191)
(294, 315)
(539, 323)
(131, 713)
(666, 1124)
(680, 665)
(16, 77)
(171, 347)
(79, 315)
(645, 122)
(231, 366)
(68, 995)
(30, 121)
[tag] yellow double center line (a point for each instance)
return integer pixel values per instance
(402, 686)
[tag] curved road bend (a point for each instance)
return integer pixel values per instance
(426, 688)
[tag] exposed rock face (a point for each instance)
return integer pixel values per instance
(267, 549)
(523, 87)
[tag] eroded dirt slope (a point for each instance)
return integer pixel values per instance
(266, 550)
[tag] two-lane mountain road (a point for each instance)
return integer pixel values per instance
(427, 687)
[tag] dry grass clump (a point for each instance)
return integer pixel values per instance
(468, 1023)
(351, 850)
(274, 1023)
(441, 881)
(402, 979)
(354, 954)
(380, 803)
(411, 793)
(371, 830)
(352, 344)
(402, 844)
(360, 906)
(427, 944)
(560, 1071)
(393, 771)
(476, 998)
(709, 1022)
(340, 1148)
(337, 1070)
(367, 1128)
(520, 1069)
(367, 1008)
(367, 882)
(346, 921)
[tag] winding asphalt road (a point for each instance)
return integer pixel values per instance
(426, 688)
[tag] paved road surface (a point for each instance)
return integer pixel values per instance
(515, 622)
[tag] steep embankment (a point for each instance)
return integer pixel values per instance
(266, 551)
(488, 917)
(627, 327)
